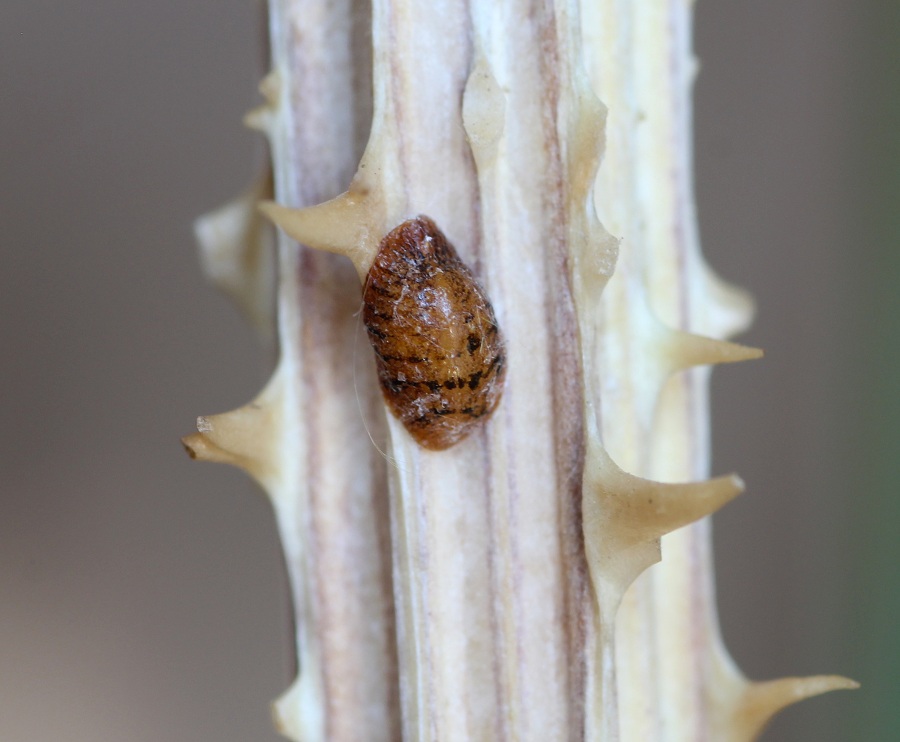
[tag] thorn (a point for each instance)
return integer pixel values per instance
(732, 308)
(760, 701)
(682, 350)
(259, 119)
(343, 225)
(587, 136)
(201, 448)
(237, 253)
(299, 695)
(625, 516)
(246, 437)
(643, 510)
(198, 447)
(270, 88)
(484, 110)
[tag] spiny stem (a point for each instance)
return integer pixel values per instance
(504, 588)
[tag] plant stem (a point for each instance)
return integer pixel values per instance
(502, 589)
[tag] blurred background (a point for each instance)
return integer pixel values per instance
(142, 596)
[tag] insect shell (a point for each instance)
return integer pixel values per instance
(438, 350)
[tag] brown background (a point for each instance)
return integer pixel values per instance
(142, 595)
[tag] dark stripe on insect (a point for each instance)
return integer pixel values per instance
(404, 359)
(385, 317)
(496, 363)
(398, 384)
(379, 289)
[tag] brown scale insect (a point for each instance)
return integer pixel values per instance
(438, 350)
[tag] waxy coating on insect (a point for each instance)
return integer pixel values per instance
(438, 349)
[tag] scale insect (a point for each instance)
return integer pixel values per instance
(439, 353)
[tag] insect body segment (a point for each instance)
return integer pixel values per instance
(438, 349)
